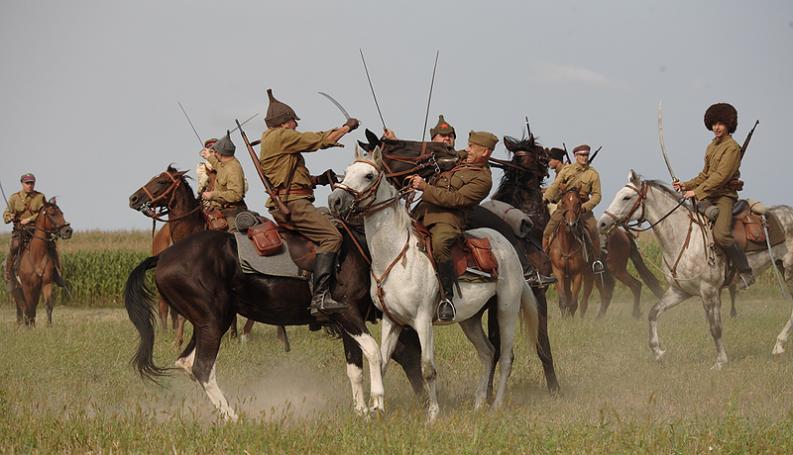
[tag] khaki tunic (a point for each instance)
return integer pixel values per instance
(280, 153)
(722, 160)
(229, 184)
(446, 200)
(23, 206)
(584, 178)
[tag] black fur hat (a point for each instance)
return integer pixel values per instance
(721, 112)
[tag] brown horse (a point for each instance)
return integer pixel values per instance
(37, 265)
(569, 253)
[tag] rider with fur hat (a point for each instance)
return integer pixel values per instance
(283, 164)
(229, 192)
(718, 182)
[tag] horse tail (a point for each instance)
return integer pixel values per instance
(139, 299)
(530, 317)
(647, 276)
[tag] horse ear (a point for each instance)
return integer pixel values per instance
(634, 178)
(358, 155)
(377, 156)
(53, 201)
(374, 141)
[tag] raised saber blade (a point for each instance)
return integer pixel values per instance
(429, 98)
(371, 86)
(246, 121)
(663, 144)
(337, 104)
(190, 122)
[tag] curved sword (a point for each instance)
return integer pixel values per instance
(336, 103)
(661, 141)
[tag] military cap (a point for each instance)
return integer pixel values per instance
(582, 148)
(208, 143)
(483, 138)
(29, 177)
(224, 146)
(555, 153)
(442, 127)
(278, 112)
(724, 113)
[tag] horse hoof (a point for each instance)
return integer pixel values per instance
(717, 366)
(659, 355)
(778, 350)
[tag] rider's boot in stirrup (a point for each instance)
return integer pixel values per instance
(447, 275)
(536, 279)
(738, 258)
(321, 301)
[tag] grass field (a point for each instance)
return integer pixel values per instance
(70, 388)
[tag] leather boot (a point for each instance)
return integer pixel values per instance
(57, 276)
(321, 301)
(738, 259)
(447, 275)
(11, 258)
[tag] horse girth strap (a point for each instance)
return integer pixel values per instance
(380, 281)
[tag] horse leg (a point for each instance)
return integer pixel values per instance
(31, 297)
(356, 329)
(476, 335)
(636, 289)
(424, 329)
(733, 291)
(711, 302)
(48, 302)
(179, 332)
(162, 309)
(354, 357)
(672, 297)
(233, 332)
(281, 334)
(389, 334)
(206, 351)
(408, 355)
(579, 280)
(781, 339)
(246, 331)
(507, 318)
(544, 344)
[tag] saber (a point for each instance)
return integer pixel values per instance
(4, 193)
(371, 86)
(429, 99)
(337, 104)
(243, 123)
(191, 123)
(663, 144)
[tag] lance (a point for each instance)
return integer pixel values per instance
(429, 98)
(377, 105)
(663, 144)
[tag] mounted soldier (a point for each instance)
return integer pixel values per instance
(718, 184)
(556, 160)
(23, 208)
(283, 164)
(446, 198)
(229, 190)
(582, 177)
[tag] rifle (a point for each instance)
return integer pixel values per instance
(268, 187)
(592, 158)
(748, 138)
(566, 155)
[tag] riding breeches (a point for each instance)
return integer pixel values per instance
(312, 223)
(722, 227)
(589, 222)
(443, 237)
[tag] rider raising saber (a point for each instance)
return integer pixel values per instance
(719, 181)
(283, 164)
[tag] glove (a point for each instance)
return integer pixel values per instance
(326, 178)
(352, 123)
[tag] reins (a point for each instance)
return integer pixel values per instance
(170, 193)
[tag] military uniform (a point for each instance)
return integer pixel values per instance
(22, 206)
(229, 189)
(586, 180)
(714, 184)
(282, 162)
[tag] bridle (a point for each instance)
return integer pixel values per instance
(363, 201)
(148, 207)
(568, 209)
(640, 203)
(422, 161)
(53, 233)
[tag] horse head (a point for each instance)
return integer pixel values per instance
(627, 205)
(570, 205)
(157, 192)
(401, 158)
(363, 187)
(528, 155)
(51, 220)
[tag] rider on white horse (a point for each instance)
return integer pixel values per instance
(446, 198)
(718, 184)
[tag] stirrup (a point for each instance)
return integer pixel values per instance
(597, 266)
(745, 281)
(536, 280)
(438, 310)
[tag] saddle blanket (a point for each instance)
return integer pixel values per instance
(277, 265)
(520, 223)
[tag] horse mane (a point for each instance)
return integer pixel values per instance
(663, 186)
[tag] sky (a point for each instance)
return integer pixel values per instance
(89, 89)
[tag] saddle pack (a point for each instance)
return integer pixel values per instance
(473, 255)
(747, 227)
(268, 238)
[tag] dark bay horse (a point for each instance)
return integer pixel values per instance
(521, 187)
(402, 158)
(36, 264)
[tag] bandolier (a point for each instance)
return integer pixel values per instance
(445, 201)
(586, 181)
(283, 164)
(229, 192)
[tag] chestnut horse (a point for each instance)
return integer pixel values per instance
(37, 265)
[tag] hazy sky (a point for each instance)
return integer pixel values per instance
(88, 89)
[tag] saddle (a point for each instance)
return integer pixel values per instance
(474, 255)
(269, 238)
(747, 226)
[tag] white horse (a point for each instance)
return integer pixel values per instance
(406, 290)
(692, 263)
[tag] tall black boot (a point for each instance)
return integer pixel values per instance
(447, 275)
(738, 258)
(321, 301)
